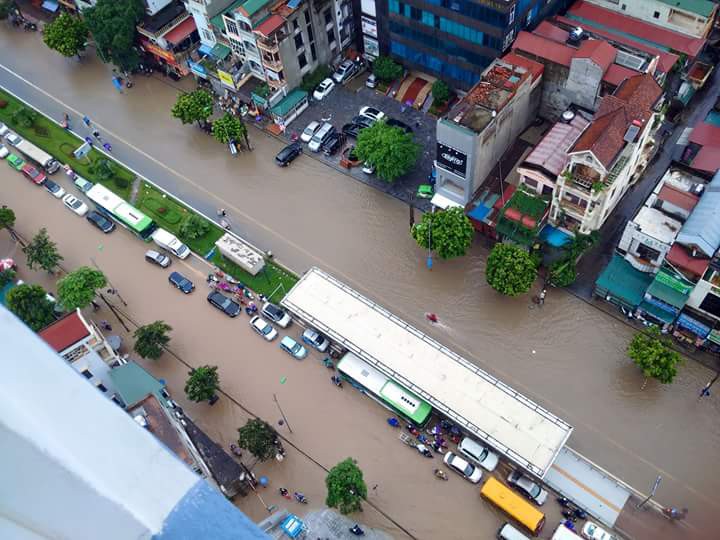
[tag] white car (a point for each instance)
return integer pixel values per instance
(315, 339)
(323, 89)
(372, 113)
(345, 71)
(263, 328)
(368, 168)
(310, 130)
(4, 152)
(593, 532)
(75, 204)
(527, 487)
(13, 138)
(477, 453)
(462, 467)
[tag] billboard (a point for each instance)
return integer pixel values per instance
(226, 79)
(451, 159)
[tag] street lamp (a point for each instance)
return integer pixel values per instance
(652, 493)
(705, 392)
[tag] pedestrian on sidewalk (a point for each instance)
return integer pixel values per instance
(105, 325)
(107, 147)
(86, 121)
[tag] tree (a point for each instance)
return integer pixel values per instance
(67, 35)
(151, 338)
(193, 226)
(448, 232)
(346, 488)
(510, 270)
(25, 117)
(5, 7)
(194, 106)
(228, 128)
(563, 272)
(202, 383)
(42, 252)
(31, 304)
(7, 276)
(112, 24)
(440, 91)
(103, 170)
(386, 69)
(259, 438)
(652, 354)
(7, 218)
(78, 288)
(390, 149)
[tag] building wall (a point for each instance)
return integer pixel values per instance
(698, 294)
(456, 187)
(632, 239)
(661, 14)
(554, 100)
(583, 83)
(202, 11)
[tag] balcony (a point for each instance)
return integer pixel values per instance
(270, 45)
(272, 64)
(573, 209)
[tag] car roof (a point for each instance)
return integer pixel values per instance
(287, 340)
(458, 461)
(313, 124)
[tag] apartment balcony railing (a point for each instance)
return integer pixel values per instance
(572, 208)
(271, 45)
(275, 65)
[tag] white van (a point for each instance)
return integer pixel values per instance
(508, 532)
(563, 533)
(170, 242)
(477, 453)
(321, 135)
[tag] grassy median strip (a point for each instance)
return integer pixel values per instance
(273, 281)
(60, 144)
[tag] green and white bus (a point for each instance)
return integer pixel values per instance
(122, 212)
(383, 390)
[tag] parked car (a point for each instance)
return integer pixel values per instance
(392, 122)
(372, 113)
(155, 257)
(4, 152)
(82, 184)
(264, 328)
(309, 131)
(276, 315)
(36, 176)
(368, 168)
(592, 532)
(227, 305)
(323, 89)
(363, 121)
(13, 139)
(351, 130)
(4, 130)
(459, 465)
(322, 135)
(75, 204)
(179, 281)
(477, 453)
(100, 221)
(288, 154)
(527, 487)
(333, 143)
(54, 190)
(345, 71)
(293, 348)
(16, 162)
(372, 81)
(315, 339)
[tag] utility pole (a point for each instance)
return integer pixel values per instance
(282, 413)
(652, 493)
(112, 309)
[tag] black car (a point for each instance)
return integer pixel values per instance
(287, 154)
(351, 130)
(333, 144)
(397, 123)
(54, 190)
(100, 221)
(224, 304)
(363, 121)
(179, 281)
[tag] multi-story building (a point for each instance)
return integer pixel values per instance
(454, 40)
(151, 6)
(691, 17)
(202, 12)
(476, 132)
(608, 157)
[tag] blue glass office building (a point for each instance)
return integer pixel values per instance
(455, 40)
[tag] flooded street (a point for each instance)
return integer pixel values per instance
(567, 355)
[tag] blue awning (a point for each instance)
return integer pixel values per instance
(695, 326)
(292, 4)
(50, 5)
(205, 49)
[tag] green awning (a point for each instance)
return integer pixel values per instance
(621, 281)
(288, 103)
(220, 51)
(667, 294)
(217, 22)
(656, 312)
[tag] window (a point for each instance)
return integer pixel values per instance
(331, 36)
(307, 16)
(428, 18)
(656, 15)
(328, 16)
(245, 27)
(207, 35)
(237, 46)
(394, 6)
(86, 373)
(302, 61)
(250, 47)
(415, 13)
(311, 36)
(298, 41)
(623, 7)
(281, 75)
(101, 387)
(231, 26)
(296, 24)
(313, 52)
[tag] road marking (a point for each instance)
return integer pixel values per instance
(587, 489)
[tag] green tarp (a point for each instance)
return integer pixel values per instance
(623, 282)
(288, 103)
(667, 294)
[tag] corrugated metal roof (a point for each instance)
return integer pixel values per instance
(621, 280)
(699, 7)
(702, 229)
(705, 134)
(551, 152)
(707, 159)
(65, 332)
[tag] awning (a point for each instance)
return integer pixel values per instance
(50, 5)
(220, 51)
(443, 202)
(289, 102)
(621, 281)
(696, 327)
(269, 25)
(205, 49)
(181, 31)
(656, 311)
(668, 294)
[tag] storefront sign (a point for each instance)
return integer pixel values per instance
(673, 282)
(369, 26)
(714, 336)
(161, 53)
(661, 305)
(198, 69)
(696, 327)
(451, 159)
(226, 79)
(372, 47)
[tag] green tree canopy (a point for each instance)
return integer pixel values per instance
(258, 437)
(510, 270)
(386, 69)
(31, 304)
(7, 276)
(151, 338)
(346, 488)
(42, 252)
(66, 34)
(448, 232)
(194, 106)
(390, 149)
(563, 272)
(202, 383)
(25, 117)
(440, 91)
(7, 218)
(193, 227)
(653, 355)
(229, 128)
(112, 24)
(5, 6)
(103, 170)
(78, 288)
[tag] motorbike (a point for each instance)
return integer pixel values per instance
(424, 451)
(328, 363)
(337, 381)
(413, 430)
(356, 530)
(29, 26)
(393, 422)
(235, 450)
(570, 515)
(441, 474)
(284, 493)
(299, 497)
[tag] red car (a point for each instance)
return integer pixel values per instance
(36, 176)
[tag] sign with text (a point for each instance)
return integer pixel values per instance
(226, 79)
(451, 159)
(369, 26)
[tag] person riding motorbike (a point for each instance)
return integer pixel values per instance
(440, 474)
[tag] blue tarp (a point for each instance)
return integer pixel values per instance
(554, 237)
(479, 212)
(50, 5)
(205, 49)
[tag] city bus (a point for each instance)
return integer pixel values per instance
(383, 390)
(513, 505)
(32, 152)
(120, 211)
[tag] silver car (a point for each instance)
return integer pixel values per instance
(527, 487)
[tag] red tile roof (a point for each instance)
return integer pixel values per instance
(65, 332)
(635, 27)
(541, 47)
(550, 31)
(707, 159)
(269, 25)
(181, 31)
(535, 68)
(600, 52)
(705, 134)
(617, 74)
(678, 256)
(677, 197)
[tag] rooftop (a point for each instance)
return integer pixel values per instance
(677, 197)
(550, 31)
(707, 159)
(159, 424)
(702, 229)
(522, 216)
(65, 332)
(270, 25)
(703, 8)
(134, 384)
(657, 224)
(705, 134)
(164, 17)
(597, 50)
(250, 7)
(551, 152)
(681, 258)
